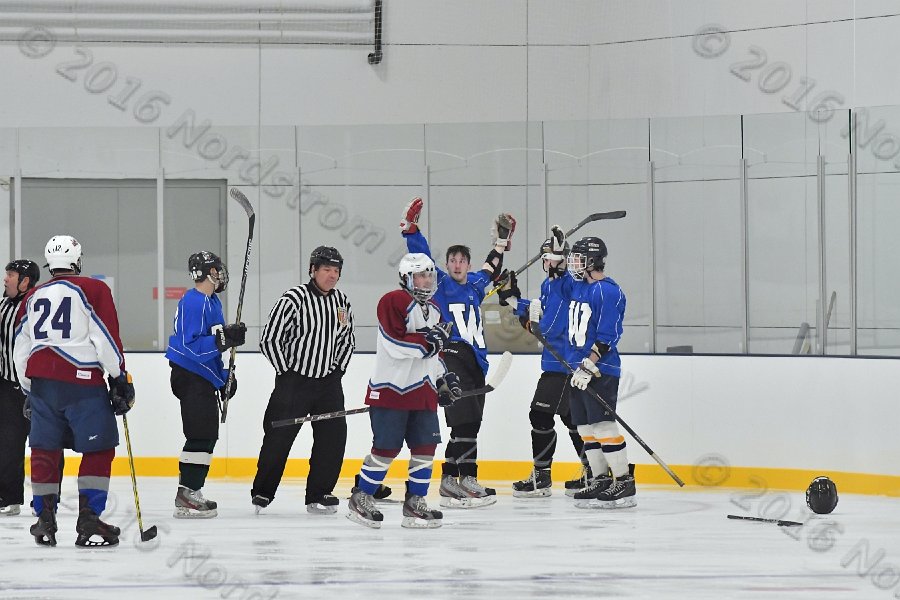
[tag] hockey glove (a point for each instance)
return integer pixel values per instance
(557, 240)
(582, 376)
(230, 336)
(535, 311)
(121, 393)
(437, 337)
(502, 232)
(448, 388)
(409, 218)
(233, 390)
(26, 408)
(510, 289)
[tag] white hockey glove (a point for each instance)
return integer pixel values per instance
(502, 232)
(409, 218)
(557, 240)
(582, 376)
(535, 312)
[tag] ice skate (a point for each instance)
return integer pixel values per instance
(90, 525)
(417, 515)
(620, 494)
(467, 493)
(44, 531)
(190, 504)
(10, 511)
(362, 509)
(587, 498)
(537, 485)
(260, 502)
(326, 504)
(580, 482)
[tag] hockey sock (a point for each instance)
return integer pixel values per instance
(543, 439)
(93, 478)
(577, 442)
(44, 475)
(374, 469)
(613, 443)
(193, 464)
(462, 451)
(593, 450)
(421, 464)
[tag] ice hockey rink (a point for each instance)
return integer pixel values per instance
(674, 544)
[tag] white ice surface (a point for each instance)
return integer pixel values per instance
(674, 544)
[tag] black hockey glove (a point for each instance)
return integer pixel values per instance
(510, 289)
(233, 389)
(448, 388)
(230, 336)
(121, 393)
(26, 408)
(437, 337)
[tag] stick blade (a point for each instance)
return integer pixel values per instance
(243, 201)
(616, 214)
(149, 534)
(496, 378)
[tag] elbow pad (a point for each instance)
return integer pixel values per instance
(600, 348)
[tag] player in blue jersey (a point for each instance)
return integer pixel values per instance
(199, 376)
(596, 306)
(459, 296)
(551, 397)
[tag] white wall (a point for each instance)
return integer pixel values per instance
(802, 413)
(490, 60)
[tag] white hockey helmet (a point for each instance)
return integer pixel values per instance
(63, 252)
(412, 264)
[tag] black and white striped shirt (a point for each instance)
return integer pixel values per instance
(8, 309)
(309, 332)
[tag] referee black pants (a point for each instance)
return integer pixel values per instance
(296, 396)
(14, 429)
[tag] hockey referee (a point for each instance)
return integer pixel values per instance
(309, 340)
(21, 276)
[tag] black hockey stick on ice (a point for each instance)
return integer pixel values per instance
(616, 214)
(494, 380)
(536, 330)
(778, 522)
(149, 534)
(245, 204)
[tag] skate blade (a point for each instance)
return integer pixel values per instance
(620, 503)
(258, 508)
(318, 509)
(587, 503)
(447, 502)
(10, 511)
(414, 523)
(365, 522)
(45, 540)
(187, 513)
(543, 493)
(571, 492)
(87, 542)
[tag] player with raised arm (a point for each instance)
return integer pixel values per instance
(459, 296)
(68, 336)
(198, 377)
(596, 313)
(408, 383)
(551, 396)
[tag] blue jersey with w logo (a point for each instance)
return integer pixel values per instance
(596, 314)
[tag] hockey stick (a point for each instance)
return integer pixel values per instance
(616, 214)
(778, 522)
(494, 381)
(150, 533)
(536, 330)
(245, 204)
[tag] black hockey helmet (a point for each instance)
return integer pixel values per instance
(325, 255)
(200, 264)
(587, 255)
(25, 268)
(821, 495)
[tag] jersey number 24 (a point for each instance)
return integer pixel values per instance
(60, 321)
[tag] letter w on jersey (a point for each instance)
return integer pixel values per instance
(468, 325)
(579, 317)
